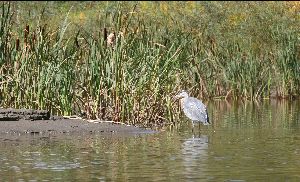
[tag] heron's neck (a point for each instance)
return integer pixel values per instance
(182, 101)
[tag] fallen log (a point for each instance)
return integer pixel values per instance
(11, 114)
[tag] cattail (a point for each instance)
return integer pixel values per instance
(105, 35)
(26, 32)
(44, 29)
(33, 38)
(76, 39)
(18, 44)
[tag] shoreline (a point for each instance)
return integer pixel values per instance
(66, 126)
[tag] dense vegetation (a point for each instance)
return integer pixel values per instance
(55, 55)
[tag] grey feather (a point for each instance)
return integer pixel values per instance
(193, 108)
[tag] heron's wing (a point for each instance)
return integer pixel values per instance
(195, 110)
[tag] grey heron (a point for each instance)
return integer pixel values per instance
(193, 108)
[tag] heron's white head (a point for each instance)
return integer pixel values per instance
(182, 94)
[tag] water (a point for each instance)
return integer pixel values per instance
(246, 142)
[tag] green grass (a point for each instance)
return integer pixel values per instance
(237, 50)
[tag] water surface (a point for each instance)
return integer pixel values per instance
(247, 141)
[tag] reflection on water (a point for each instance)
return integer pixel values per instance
(247, 141)
(194, 154)
(270, 114)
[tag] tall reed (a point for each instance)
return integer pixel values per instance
(69, 68)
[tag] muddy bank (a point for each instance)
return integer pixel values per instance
(40, 122)
(65, 126)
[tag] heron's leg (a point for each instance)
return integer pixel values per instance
(193, 126)
(199, 129)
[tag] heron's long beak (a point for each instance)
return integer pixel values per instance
(178, 97)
